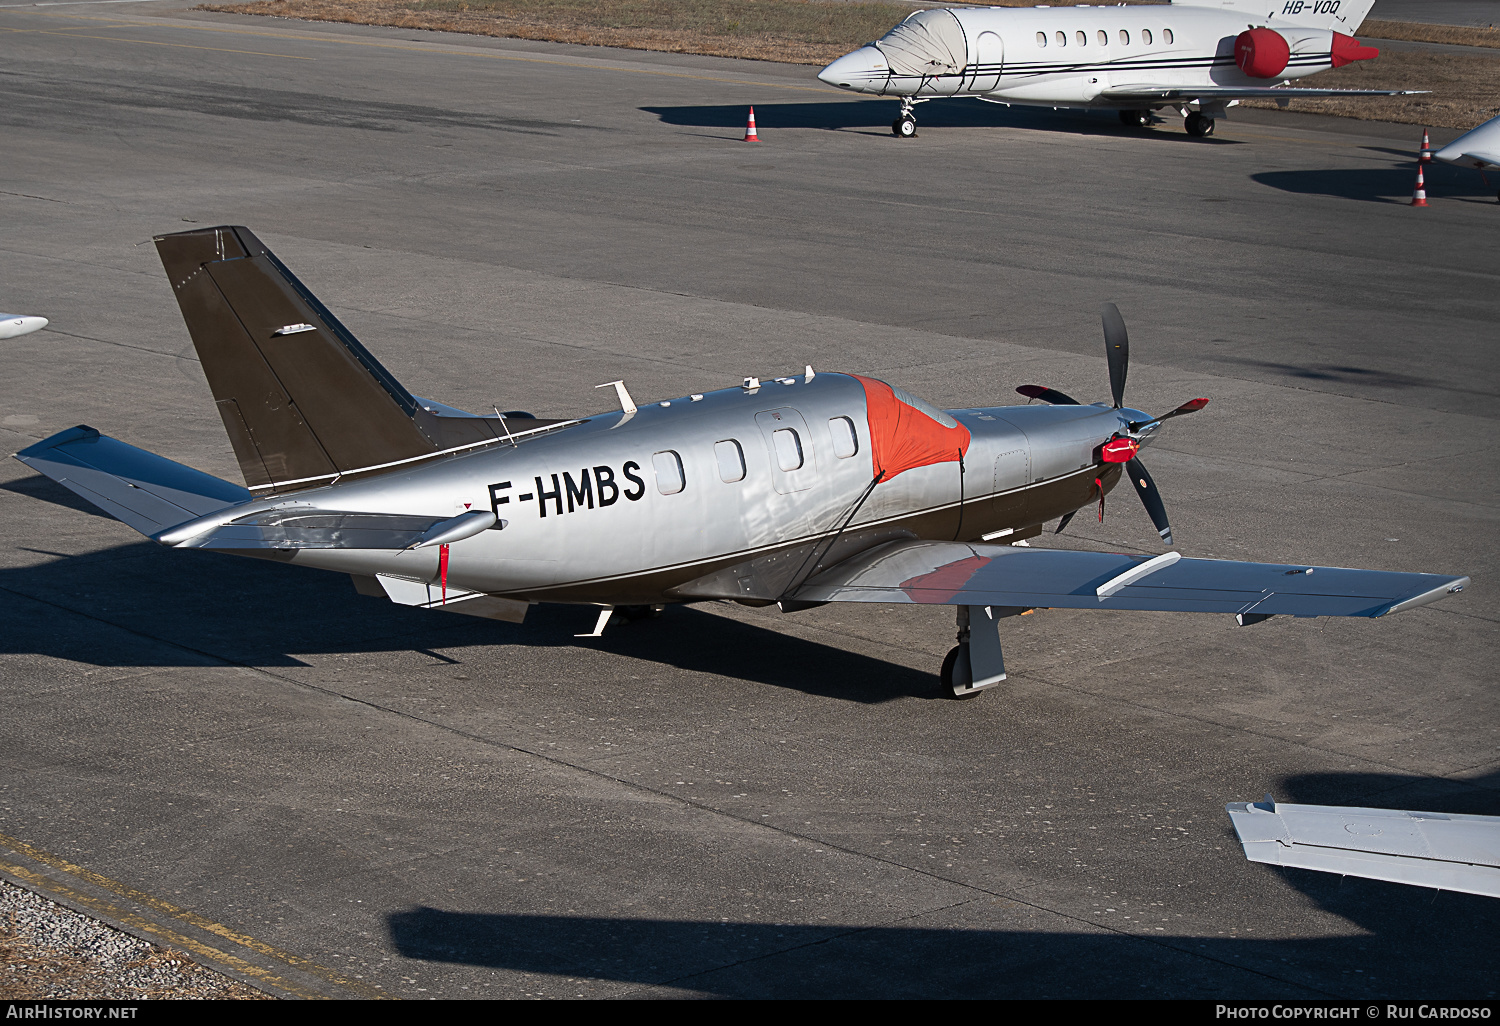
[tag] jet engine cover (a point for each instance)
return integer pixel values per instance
(928, 43)
(1261, 52)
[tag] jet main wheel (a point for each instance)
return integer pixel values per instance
(1199, 126)
(1135, 118)
(904, 127)
(633, 613)
(950, 663)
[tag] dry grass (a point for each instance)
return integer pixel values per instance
(1463, 35)
(1465, 90)
(790, 31)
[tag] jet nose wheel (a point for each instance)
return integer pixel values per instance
(904, 127)
(1135, 118)
(1199, 126)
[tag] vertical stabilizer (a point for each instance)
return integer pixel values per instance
(1344, 16)
(300, 397)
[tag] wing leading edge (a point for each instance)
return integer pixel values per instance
(955, 573)
(1425, 849)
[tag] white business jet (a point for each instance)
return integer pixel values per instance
(1198, 59)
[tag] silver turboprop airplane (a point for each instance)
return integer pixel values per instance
(1197, 58)
(795, 491)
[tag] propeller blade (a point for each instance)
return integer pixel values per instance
(1047, 395)
(1064, 522)
(1191, 406)
(1150, 498)
(1117, 350)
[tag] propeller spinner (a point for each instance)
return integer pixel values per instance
(1122, 448)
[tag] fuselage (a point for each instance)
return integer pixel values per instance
(628, 508)
(1068, 56)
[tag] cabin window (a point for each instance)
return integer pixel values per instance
(845, 441)
(1083, 38)
(1103, 38)
(788, 449)
(1146, 37)
(1041, 39)
(668, 466)
(1062, 39)
(1166, 35)
(1124, 38)
(731, 461)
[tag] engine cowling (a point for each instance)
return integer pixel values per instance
(1261, 52)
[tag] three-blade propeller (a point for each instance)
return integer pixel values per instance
(1117, 352)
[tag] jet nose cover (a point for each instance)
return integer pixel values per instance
(858, 70)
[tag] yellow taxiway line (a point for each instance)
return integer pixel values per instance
(51, 884)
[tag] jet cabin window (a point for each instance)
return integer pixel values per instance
(1146, 36)
(788, 449)
(1083, 38)
(731, 460)
(1166, 36)
(1124, 38)
(1104, 38)
(1062, 39)
(845, 441)
(668, 467)
(1041, 39)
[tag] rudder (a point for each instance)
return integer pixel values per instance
(298, 394)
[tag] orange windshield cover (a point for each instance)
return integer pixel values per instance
(903, 435)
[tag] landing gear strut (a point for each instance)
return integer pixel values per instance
(1135, 118)
(976, 662)
(1198, 126)
(905, 125)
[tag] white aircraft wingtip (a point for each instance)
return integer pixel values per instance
(12, 325)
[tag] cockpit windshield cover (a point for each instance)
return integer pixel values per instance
(907, 432)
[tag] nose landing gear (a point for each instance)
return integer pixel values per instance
(905, 125)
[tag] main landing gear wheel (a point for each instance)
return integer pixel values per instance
(950, 661)
(904, 127)
(1135, 118)
(1199, 126)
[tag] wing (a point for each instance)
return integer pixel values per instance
(1474, 158)
(956, 573)
(1147, 91)
(146, 491)
(1427, 849)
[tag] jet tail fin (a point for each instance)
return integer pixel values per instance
(148, 492)
(303, 401)
(1345, 17)
(300, 397)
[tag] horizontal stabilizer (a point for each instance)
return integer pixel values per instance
(305, 527)
(148, 492)
(958, 573)
(1426, 849)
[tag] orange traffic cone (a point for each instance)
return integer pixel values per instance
(1419, 194)
(1426, 155)
(750, 135)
